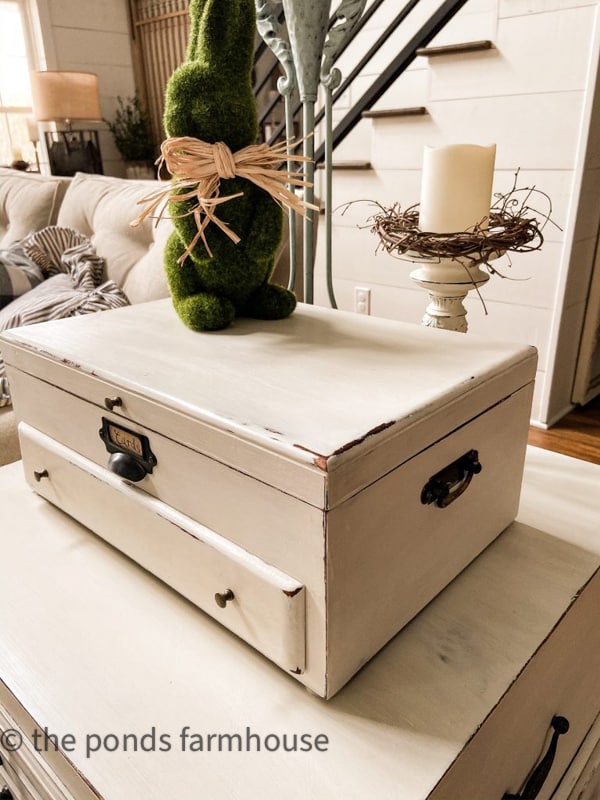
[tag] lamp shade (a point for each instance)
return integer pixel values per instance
(65, 96)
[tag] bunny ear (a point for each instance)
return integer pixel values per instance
(222, 31)
(195, 12)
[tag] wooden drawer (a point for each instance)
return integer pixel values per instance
(258, 602)
(561, 680)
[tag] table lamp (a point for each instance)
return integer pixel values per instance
(66, 97)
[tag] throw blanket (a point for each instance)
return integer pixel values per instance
(66, 277)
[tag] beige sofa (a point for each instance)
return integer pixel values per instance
(101, 208)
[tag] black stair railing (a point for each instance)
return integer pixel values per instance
(428, 31)
(276, 101)
(423, 36)
(382, 39)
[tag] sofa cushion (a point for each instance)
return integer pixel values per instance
(102, 208)
(28, 202)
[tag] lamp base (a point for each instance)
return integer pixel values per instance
(73, 151)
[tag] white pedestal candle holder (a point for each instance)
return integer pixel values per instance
(448, 281)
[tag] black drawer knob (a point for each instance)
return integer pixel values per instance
(540, 773)
(222, 598)
(39, 474)
(126, 466)
(112, 402)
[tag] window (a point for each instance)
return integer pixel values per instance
(16, 123)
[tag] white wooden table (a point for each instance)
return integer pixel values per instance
(93, 646)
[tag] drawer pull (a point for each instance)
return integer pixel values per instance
(449, 483)
(112, 402)
(540, 773)
(39, 474)
(126, 466)
(222, 598)
(131, 456)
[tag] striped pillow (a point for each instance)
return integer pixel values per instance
(50, 247)
(58, 297)
(18, 274)
(71, 291)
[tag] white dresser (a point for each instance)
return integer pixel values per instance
(459, 705)
(312, 483)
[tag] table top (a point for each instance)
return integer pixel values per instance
(315, 384)
(95, 648)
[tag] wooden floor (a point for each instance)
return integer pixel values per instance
(577, 434)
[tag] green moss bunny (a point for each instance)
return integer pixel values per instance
(210, 97)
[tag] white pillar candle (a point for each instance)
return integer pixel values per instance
(456, 187)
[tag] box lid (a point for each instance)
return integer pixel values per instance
(302, 398)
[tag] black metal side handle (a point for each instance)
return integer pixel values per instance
(540, 773)
(449, 483)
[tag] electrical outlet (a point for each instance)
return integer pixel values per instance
(362, 300)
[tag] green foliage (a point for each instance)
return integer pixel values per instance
(132, 131)
(210, 98)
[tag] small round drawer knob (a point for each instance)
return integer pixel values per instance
(126, 466)
(39, 474)
(222, 598)
(112, 402)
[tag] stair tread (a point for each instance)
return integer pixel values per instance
(358, 165)
(412, 111)
(459, 47)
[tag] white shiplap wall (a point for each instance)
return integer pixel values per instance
(89, 36)
(534, 96)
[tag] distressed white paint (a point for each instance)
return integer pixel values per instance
(267, 608)
(263, 433)
(91, 643)
(314, 386)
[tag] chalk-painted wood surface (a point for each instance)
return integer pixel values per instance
(92, 644)
(365, 568)
(327, 487)
(266, 607)
(321, 388)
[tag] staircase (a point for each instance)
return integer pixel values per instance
(522, 74)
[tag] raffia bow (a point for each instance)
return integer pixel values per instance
(197, 168)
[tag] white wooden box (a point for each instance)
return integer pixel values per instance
(284, 465)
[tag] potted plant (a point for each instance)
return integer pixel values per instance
(132, 132)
